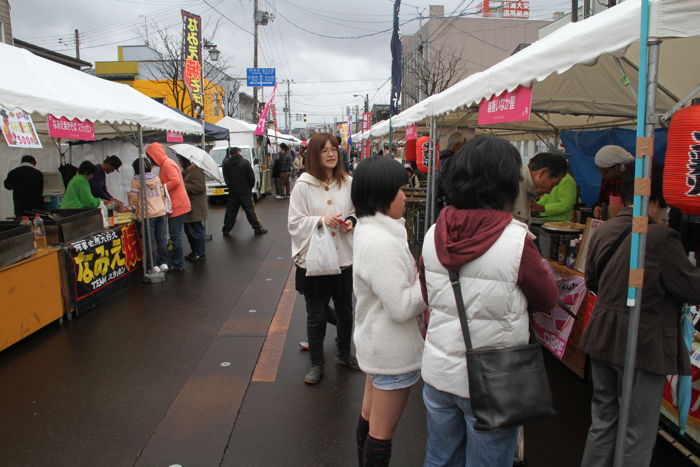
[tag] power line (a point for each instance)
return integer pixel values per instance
(228, 19)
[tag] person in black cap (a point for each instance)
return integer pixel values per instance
(98, 183)
(27, 185)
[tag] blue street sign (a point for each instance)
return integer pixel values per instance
(260, 77)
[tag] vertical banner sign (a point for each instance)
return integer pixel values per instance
(18, 129)
(262, 121)
(396, 63)
(192, 60)
(70, 129)
(349, 133)
(366, 125)
(507, 107)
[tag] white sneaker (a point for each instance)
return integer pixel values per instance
(155, 269)
(279, 196)
(164, 268)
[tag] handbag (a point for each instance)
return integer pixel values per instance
(167, 201)
(322, 257)
(507, 386)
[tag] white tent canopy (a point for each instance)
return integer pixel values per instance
(235, 125)
(43, 87)
(576, 73)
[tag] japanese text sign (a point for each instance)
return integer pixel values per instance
(508, 107)
(71, 129)
(18, 129)
(515, 9)
(192, 56)
(261, 77)
(174, 137)
(411, 132)
(103, 258)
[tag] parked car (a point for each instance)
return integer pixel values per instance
(216, 190)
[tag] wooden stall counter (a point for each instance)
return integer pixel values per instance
(30, 293)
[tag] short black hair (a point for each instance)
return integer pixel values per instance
(114, 161)
(29, 159)
(657, 183)
(284, 146)
(375, 183)
(146, 166)
(233, 151)
(87, 168)
(484, 174)
(556, 163)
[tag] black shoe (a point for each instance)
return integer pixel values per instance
(226, 233)
(194, 259)
(260, 231)
(190, 256)
(174, 269)
(349, 361)
(314, 374)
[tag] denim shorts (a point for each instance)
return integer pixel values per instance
(392, 382)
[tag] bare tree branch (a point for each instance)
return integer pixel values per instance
(433, 74)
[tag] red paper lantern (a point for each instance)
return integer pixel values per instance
(682, 165)
(422, 158)
(410, 151)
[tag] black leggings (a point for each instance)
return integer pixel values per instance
(318, 291)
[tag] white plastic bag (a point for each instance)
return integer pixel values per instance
(322, 257)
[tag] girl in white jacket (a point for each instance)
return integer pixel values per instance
(388, 341)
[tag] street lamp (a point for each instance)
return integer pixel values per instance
(366, 98)
(213, 51)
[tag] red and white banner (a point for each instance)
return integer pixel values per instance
(70, 129)
(192, 56)
(174, 137)
(411, 132)
(366, 125)
(508, 107)
(260, 130)
(18, 129)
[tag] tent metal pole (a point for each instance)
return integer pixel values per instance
(434, 166)
(648, 74)
(146, 233)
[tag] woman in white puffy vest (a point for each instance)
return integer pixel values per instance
(502, 277)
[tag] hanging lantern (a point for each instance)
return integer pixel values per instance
(410, 151)
(682, 165)
(422, 153)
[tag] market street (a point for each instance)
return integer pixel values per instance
(162, 374)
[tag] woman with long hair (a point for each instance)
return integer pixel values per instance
(388, 341)
(321, 196)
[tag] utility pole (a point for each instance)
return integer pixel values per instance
(77, 45)
(255, 55)
(420, 57)
(287, 105)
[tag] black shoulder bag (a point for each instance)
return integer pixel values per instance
(507, 387)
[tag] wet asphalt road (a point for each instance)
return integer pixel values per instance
(161, 375)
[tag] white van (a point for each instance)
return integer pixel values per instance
(218, 153)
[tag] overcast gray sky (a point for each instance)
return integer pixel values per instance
(326, 71)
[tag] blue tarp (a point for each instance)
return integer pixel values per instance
(583, 145)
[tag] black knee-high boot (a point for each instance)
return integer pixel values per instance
(362, 432)
(377, 452)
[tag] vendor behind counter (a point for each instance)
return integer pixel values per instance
(27, 185)
(78, 194)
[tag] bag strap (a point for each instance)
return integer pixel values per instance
(457, 289)
(610, 253)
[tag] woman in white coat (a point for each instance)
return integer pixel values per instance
(321, 195)
(388, 342)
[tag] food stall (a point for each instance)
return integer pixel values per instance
(86, 260)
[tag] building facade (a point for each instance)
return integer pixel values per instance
(5, 22)
(446, 50)
(144, 69)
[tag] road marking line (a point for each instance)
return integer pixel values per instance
(271, 354)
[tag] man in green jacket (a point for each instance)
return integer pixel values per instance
(78, 193)
(557, 205)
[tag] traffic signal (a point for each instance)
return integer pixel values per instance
(304, 117)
